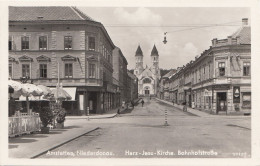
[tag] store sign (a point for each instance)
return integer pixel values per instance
(236, 94)
(207, 93)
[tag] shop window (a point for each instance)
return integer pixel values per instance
(92, 71)
(246, 68)
(43, 70)
(246, 100)
(68, 70)
(91, 43)
(25, 43)
(25, 70)
(43, 42)
(67, 42)
(221, 68)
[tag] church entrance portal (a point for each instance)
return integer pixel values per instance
(147, 91)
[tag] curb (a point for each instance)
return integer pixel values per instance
(60, 144)
(91, 117)
(190, 112)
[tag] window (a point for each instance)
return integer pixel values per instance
(25, 43)
(25, 70)
(146, 81)
(10, 70)
(43, 70)
(221, 68)
(67, 42)
(43, 42)
(246, 99)
(209, 71)
(68, 70)
(91, 43)
(246, 69)
(92, 70)
(10, 43)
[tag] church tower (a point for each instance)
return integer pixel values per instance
(138, 61)
(155, 62)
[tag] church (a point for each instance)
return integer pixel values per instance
(148, 77)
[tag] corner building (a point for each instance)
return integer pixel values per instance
(43, 40)
(219, 80)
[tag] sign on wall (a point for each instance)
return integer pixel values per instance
(236, 94)
(207, 92)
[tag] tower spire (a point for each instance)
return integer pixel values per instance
(139, 51)
(154, 51)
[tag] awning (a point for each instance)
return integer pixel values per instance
(32, 98)
(71, 91)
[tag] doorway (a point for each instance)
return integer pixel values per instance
(221, 102)
(92, 102)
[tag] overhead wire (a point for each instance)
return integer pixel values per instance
(192, 26)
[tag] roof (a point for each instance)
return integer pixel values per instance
(47, 13)
(131, 75)
(170, 73)
(139, 51)
(244, 34)
(154, 51)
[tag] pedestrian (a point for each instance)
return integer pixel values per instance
(118, 112)
(184, 107)
(133, 105)
(150, 97)
(172, 102)
(142, 102)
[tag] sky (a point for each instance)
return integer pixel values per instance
(129, 27)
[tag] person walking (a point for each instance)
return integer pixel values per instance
(118, 112)
(184, 107)
(142, 102)
(133, 104)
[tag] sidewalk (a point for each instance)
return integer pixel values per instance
(31, 145)
(190, 110)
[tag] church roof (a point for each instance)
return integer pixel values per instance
(147, 72)
(154, 51)
(139, 51)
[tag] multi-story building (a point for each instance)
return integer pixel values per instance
(47, 41)
(132, 82)
(120, 72)
(220, 78)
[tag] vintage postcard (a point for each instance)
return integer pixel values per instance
(130, 84)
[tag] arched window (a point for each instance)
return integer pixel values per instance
(147, 81)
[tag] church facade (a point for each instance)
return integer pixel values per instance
(148, 77)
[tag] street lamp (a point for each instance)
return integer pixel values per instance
(165, 41)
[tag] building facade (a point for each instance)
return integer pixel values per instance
(132, 87)
(219, 80)
(120, 72)
(47, 41)
(148, 77)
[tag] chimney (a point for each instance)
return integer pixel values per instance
(244, 21)
(214, 42)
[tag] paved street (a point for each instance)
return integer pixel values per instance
(142, 134)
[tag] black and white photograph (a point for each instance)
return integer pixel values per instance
(159, 83)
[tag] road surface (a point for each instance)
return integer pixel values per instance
(141, 133)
